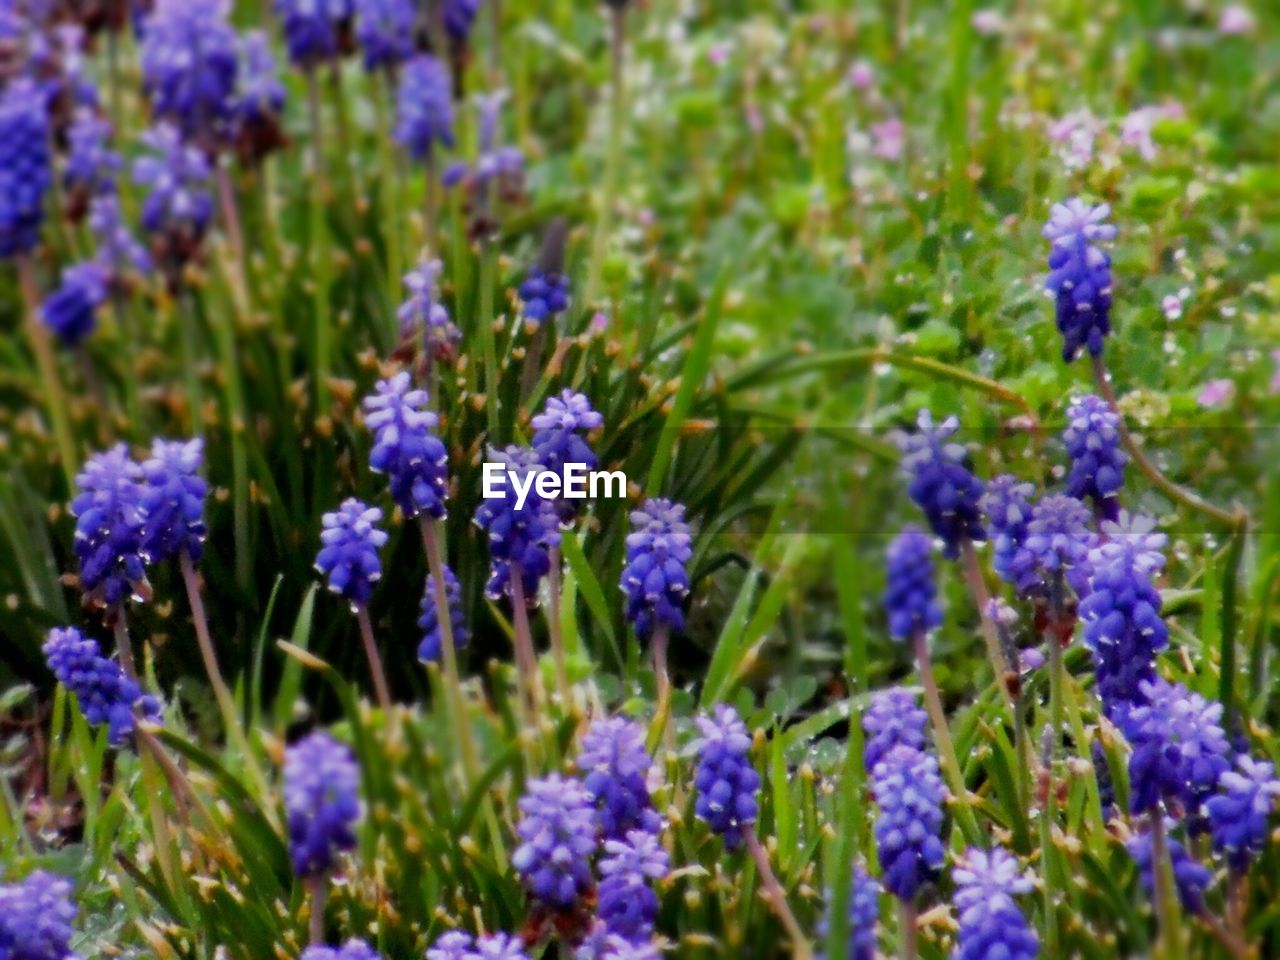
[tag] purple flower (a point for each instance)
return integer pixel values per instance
(1216, 393)
(601, 944)
(259, 99)
(24, 167)
(178, 207)
(431, 645)
(1239, 813)
(348, 554)
(1179, 748)
(453, 945)
(864, 915)
(558, 832)
(1092, 439)
(910, 597)
(103, 691)
(405, 448)
(71, 311)
(656, 575)
(1080, 275)
(893, 718)
(35, 918)
(457, 945)
(189, 61)
(423, 314)
(322, 802)
(519, 535)
(908, 830)
(173, 500)
(1190, 877)
(941, 483)
(459, 16)
(314, 30)
(615, 767)
(1007, 505)
(543, 295)
(92, 166)
(384, 30)
(725, 780)
(117, 249)
(991, 925)
(108, 539)
(1055, 549)
(627, 904)
(557, 440)
(424, 107)
(351, 950)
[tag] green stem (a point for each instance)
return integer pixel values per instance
(375, 659)
(319, 236)
(613, 156)
(1167, 911)
(991, 636)
(800, 948)
(484, 321)
(527, 676)
(555, 633)
(55, 397)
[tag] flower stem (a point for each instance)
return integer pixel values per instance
(315, 922)
(942, 737)
(554, 630)
(484, 322)
(613, 155)
(230, 214)
(1165, 890)
(319, 243)
(978, 587)
(375, 660)
(908, 933)
(800, 948)
(120, 627)
(54, 395)
(527, 676)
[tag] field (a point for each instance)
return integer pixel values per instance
(829, 283)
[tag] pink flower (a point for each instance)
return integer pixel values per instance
(1274, 386)
(1172, 307)
(1236, 20)
(1135, 129)
(887, 139)
(1216, 393)
(718, 54)
(1075, 133)
(861, 76)
(988, 21)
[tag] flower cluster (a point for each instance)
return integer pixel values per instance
(725, 779)
(405, 447)
(259, 100)
(431, 645)
(423, 314)
(108, 544)
(190, 56)
(105, 694)
(117, 248)
(543, 294)
(91, 165)
(557, 439)
(24, 167)
(628, 905)
(35, 918)
(910, 597)
(941, 483)
(348, 554)
(909, 793)
(1092, 439)
(459, 15)
(1080, 275)
(424, 107)
(893, 718)
(322, 803)
(172, 501)
(315, 30)
(179, 207)
(1239, 813)
(351, 950)
(456, 945)
(864, 915)
(71, 311)
(557, 830)
(615, 767)
(1007, 505)
(520, 537)
(1055, 548)
(384, 30)
(655, 577)
(1190, 876)
(991, 925)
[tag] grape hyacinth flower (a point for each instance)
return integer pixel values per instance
(424, 108)
(24, 167)
(627, 903)
(1055, 549)
(497, 174)
(543, 295)
(92, 166)
(108, 539)
(384, 30)
(105, 694)
(941, 483)
(615, 768)
(655, 577)
(258, 104)
(36, 914)
(1007, 506)
(430, 647)
(457, 945)
(1179, 749)
(322, 803)
(351, 950)
(117, 248)
(405, 448)
(1239, 813)
(557, 441)
(1123, 627)
(71, 311)
(315, 30)
(910, 795)
(459, 15)
(1080, 275)
(520, 537)
(178, 207)
(893, 718)
(557, 830)
(864, 915)
(172, 500)
(1092, 439)
(423, 313)
(910, 596)
(348, 554)
(726, 781)
(1189, 875)
(991, 925)
(189, 62)
(601, 944)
